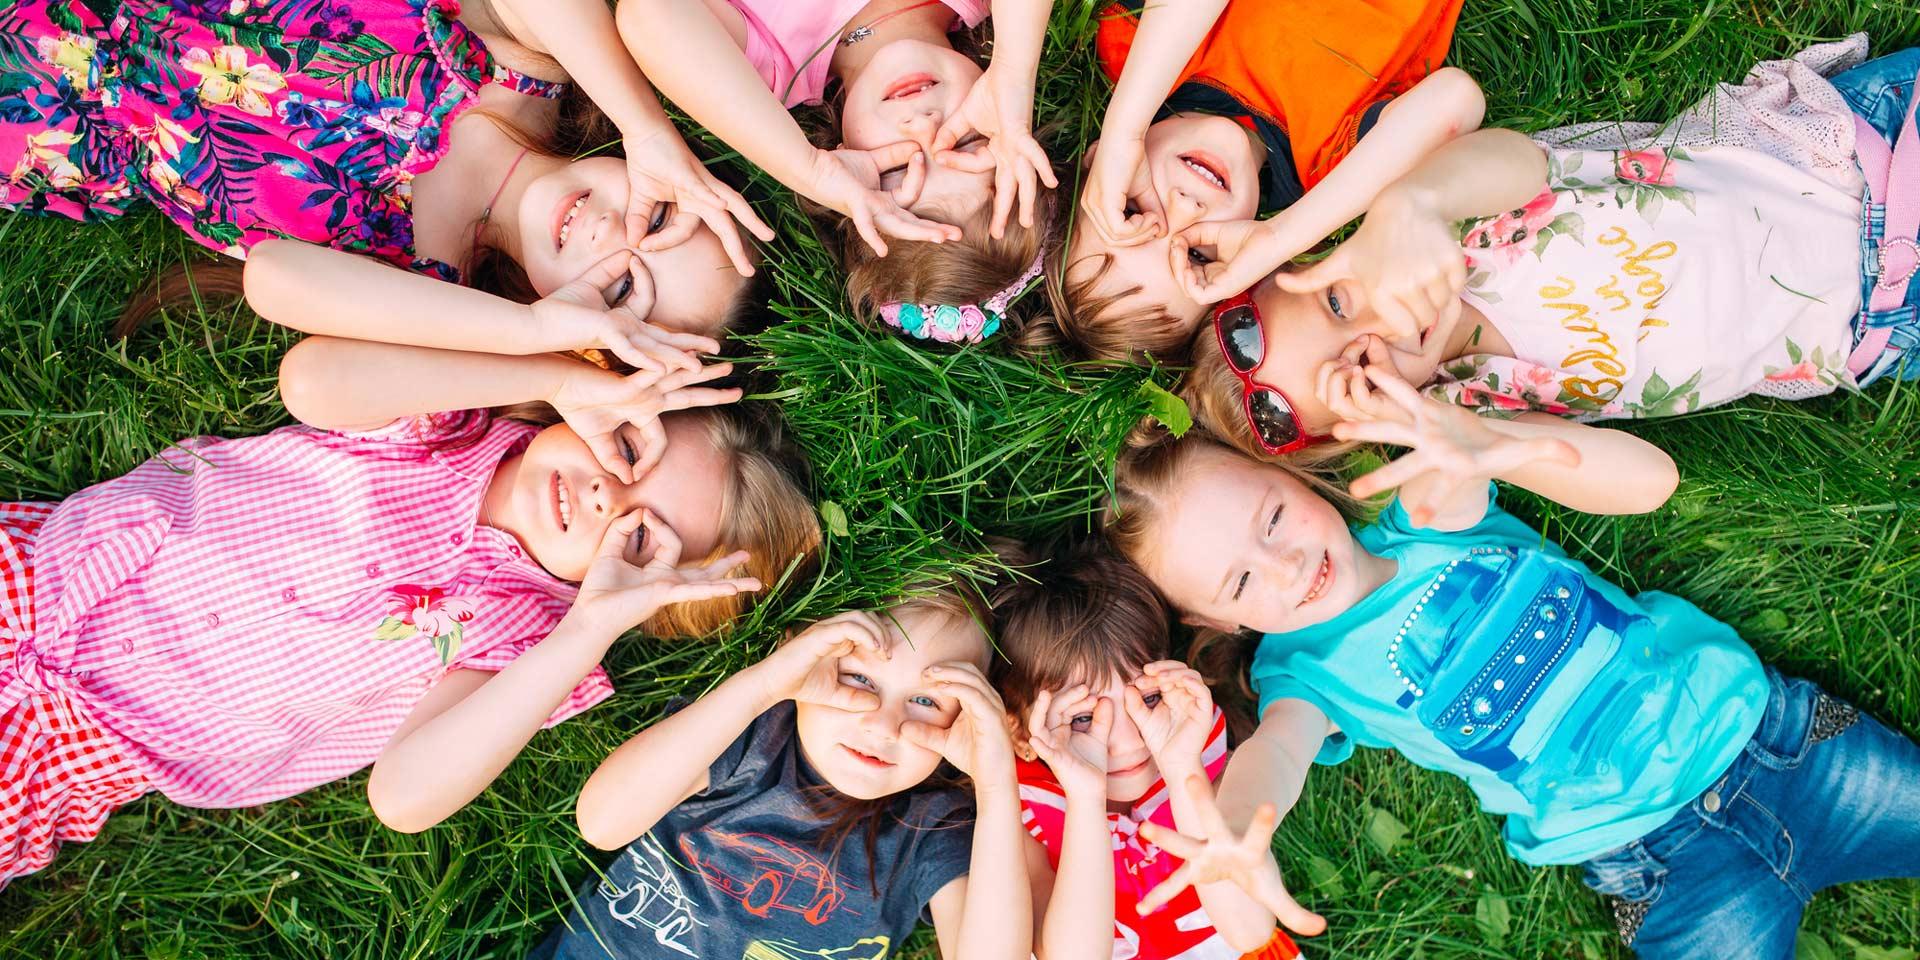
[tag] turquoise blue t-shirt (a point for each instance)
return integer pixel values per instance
(1585, 716)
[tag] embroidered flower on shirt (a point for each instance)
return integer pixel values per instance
(1651, 166)
(427, 612)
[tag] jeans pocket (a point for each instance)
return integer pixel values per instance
(1629, 881)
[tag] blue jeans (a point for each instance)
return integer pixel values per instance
(1822, 795)
(1879, 91)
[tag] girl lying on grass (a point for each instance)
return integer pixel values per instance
(265, 130)
(934, 151)
(1309, 107)
(406, 580)
(1621, 281)
(802, 809)
(1117, 741)
(1706, 795)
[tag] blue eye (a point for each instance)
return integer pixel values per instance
(858, 679)
(1333, 303)
(1082, 723)
(1151, 700)
(925, 701)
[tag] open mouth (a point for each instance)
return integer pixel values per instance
(1207, 168)
(867, 759)
(1321, 580)
(563, 227)
(911, 85)
(562, 502)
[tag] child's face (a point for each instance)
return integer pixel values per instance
(574, 217)
(1305, 330)
(862, 754)
(1242, 543)
(1197, 168)
(1131, 769)
(558, 501)
(906, 92)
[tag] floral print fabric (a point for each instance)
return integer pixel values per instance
(1650, 281)
(242, 120)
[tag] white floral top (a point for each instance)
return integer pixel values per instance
(1658, 281)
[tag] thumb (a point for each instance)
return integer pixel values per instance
(893, 154)
(1317, 277)
(926, 736)
(613, 543)
(602, 274)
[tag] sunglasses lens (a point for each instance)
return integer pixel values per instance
(1240, 331)
(1273, 419)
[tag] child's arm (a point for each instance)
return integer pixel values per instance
(1000, 107)
(691, 58)
(1165, 40)
(1075, 912)
(317, 290)
(1454, 452)
(339, 384)
(1176, 735)
(582, 36)
(986, 915)
(666, 763)
(1405, 258)
(473, 723)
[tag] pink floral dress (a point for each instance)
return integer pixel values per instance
(242, 120)
(241, 620)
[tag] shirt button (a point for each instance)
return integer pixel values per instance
(1710, 801)
(288, 594)
(213, 619)
(458, 538)
(126, 646)
(373, 569)
(514, 550)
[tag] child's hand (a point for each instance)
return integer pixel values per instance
(1118, 161)
(806, 669)
(1342, 385)
(660, 169)
(577, 317)
(1000, 108)
(1243, 252)
(849, 181)
(617, 593)
(1404, 262)
(1175, 729)
(1078, 758)
(619, 417)
(1245, 861)
(1452, 450)
(977, 743)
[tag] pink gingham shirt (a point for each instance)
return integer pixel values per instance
(221, 609)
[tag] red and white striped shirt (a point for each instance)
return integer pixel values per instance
(256, 617)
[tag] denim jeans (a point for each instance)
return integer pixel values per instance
(1822, 794)
(1879, 91)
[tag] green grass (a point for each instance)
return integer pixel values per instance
(1796, 523)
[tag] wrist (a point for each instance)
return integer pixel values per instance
(759, 688)
(582, 626)
(1405, 200)
(1175, 769)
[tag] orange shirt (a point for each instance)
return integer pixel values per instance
(1311, 75)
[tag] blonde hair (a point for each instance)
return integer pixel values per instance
(1215, 395)
(764, 510)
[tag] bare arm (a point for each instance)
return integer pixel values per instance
(582, 36)
(1076, 916)
(978, 916)
(1271, 766)
(1168, 35)
(337, 384)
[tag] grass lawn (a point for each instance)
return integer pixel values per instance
(1797, 523)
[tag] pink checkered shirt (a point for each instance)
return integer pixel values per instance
(256, 617)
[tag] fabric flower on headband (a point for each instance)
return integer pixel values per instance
(956, 323)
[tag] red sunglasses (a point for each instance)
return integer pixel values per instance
(1276, 427)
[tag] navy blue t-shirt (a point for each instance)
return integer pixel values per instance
(741, 870)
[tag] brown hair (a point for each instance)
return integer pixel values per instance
(1096, 327)
(1076, 613)
(764, 510)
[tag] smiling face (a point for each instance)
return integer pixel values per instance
(906, 92)
(862, 754)
(1302, 331)
(1197, 168)
(1241, 543)
(555, 498)
(575, 216)
(1131, 770)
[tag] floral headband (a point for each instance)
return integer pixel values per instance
(957, 323)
